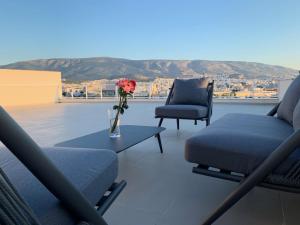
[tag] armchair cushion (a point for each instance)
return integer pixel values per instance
(240, 142)
(91, 171)
(190, 92)
(181, 111)
(289, 101)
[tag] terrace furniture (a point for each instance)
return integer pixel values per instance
(53, 186)
(254, 150)
(188, 99)
(131, 135)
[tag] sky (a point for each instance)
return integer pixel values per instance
(266, 31)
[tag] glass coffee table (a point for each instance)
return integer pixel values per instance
(130, 136)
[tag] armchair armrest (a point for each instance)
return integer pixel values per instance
(274, 110)
(170, 94)
(210, 90)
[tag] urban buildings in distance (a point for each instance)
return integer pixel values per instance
(231, 85)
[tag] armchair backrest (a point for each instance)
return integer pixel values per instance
(289, 101)
(205, 98)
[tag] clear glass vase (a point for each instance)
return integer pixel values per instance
(114, 124)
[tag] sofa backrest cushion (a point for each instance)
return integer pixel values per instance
(290, 99)
(190, 92)
(296, 116)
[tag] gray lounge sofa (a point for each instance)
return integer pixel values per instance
(53, 186)
(255, 150)
(189, 99)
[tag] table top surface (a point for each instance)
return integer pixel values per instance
(130, 136)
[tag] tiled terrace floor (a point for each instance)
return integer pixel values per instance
(161, 190)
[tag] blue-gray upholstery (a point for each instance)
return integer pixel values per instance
(91, 171)
(289, 101)
(181, 111)
(240, 142)
(190, 92)
(296, 116)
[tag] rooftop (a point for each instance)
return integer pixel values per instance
(161, 190)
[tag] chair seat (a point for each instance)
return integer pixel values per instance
(240, 142)
(181, 111)
(91, 171)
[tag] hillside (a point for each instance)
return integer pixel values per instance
(102, 67)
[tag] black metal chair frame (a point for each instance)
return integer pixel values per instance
(259, 177)
(210, 89)
(30, 154)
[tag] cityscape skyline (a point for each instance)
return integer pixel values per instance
(256, 31)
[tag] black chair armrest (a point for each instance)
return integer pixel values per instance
(210, 90)
(274, 110)
(170, 94)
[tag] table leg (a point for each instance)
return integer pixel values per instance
(159, 142)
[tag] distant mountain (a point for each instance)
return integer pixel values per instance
(103, 67)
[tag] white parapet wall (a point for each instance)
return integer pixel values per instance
(29, 87)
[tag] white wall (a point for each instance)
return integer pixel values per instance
(29, 87)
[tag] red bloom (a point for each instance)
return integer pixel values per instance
(127, 85)
(132, 85)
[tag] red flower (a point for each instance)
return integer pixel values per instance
(132, 85)
(126, 85)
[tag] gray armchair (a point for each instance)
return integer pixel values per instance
(55, 185)
(188, 99)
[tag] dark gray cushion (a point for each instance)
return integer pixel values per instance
(181, 111)
(289, 101)
(190, 92)
(91, 171)
(240, 142)
(296, 116)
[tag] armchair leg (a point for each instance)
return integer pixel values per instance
(177, 120)
(159, 143)
(207, 122)
(160, 122)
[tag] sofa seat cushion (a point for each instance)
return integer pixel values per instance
(239, 143)
(181, 111)
(91, 171)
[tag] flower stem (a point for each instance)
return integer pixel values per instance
(117, 115)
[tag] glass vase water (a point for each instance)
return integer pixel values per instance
(114, 124)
